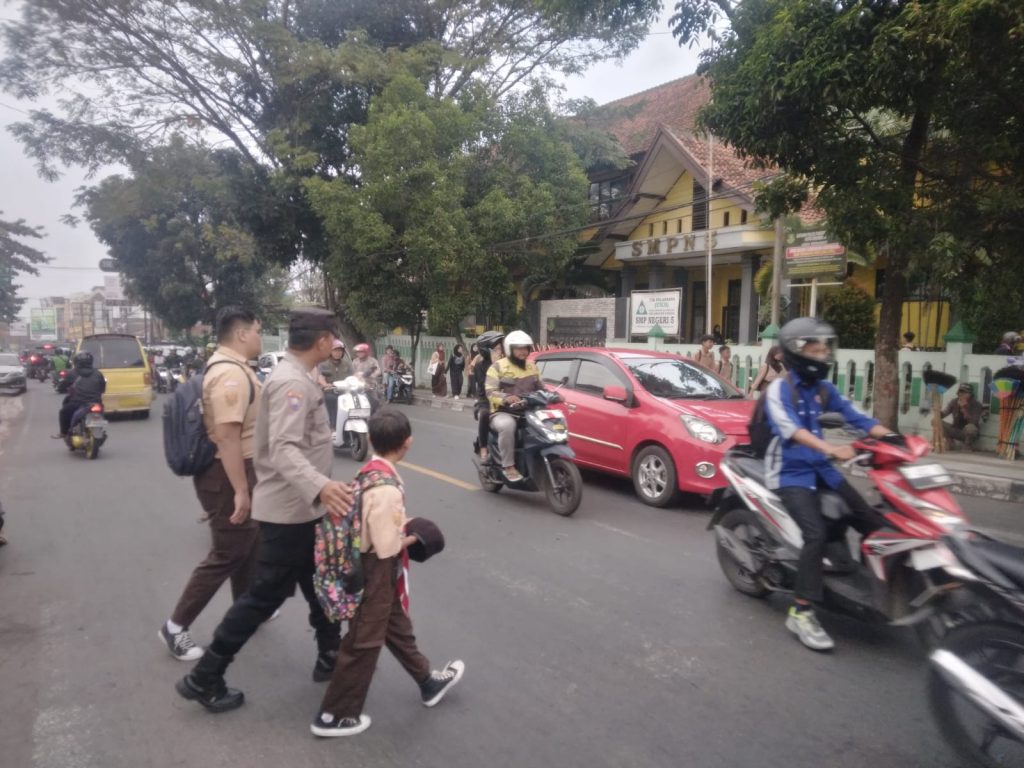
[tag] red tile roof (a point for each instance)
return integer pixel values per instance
(634, 121)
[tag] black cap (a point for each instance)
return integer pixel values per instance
(429, 539)
(313, 320)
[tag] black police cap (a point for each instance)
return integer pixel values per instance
(313, 320)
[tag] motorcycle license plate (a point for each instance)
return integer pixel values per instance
(95, 421)
(359, 413)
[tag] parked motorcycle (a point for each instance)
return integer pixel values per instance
(896, 577)
(350, 430)
(976, 682)
(88, 430)
(542, 456)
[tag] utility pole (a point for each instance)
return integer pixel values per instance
(780, 242)
(707, 230)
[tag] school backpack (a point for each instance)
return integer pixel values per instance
(187, 448)
(338, 580)
(760, 428)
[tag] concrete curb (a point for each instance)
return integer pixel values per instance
(967, 483)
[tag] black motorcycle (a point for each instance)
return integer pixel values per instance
(542, 456)
(976, 681)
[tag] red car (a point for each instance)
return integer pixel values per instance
(654, 416)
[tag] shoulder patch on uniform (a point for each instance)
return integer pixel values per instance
(295, 399)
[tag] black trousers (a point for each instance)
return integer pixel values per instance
(456, 377)
(804, 505)
(285, 560)
(483, 427)
(67, 412)
(331, 403)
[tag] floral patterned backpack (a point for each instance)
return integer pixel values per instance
(338, 579)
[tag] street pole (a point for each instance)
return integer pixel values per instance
(814, 297)
(780, 240)
(707, 231)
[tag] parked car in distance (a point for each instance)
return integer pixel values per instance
(266, 363)
(656, 417)
(12, 374)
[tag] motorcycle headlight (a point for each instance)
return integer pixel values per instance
(931, 511)
(702, 430)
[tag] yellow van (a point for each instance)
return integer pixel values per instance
(122, 361)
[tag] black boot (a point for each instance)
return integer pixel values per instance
(205, 684)
(324, 667)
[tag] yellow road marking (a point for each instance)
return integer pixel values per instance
(440, 476)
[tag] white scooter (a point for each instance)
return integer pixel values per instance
(350, 430)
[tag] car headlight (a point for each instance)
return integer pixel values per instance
(702, 430)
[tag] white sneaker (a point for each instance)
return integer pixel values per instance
(804, 624)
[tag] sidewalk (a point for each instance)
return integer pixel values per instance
(424, 397)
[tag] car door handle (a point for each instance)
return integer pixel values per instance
(571, 407)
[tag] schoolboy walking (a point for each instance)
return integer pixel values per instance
(382, 617)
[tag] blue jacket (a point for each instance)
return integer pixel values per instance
(787, 463)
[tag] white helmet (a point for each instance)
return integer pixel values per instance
(517, 339)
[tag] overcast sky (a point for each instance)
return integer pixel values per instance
(74, 250)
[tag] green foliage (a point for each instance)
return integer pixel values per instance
(179, 228)
(442, 181)
(15, 257)
(851, 311)
(903, 117)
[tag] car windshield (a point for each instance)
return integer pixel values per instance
(114, 352)
(678, 379)
(10, 360)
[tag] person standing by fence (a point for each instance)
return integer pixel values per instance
(771, 369)
(438, 383)
(456, 368)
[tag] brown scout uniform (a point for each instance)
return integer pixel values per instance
(227, 389)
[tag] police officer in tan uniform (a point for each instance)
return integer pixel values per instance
(293, 457)
(231, 396)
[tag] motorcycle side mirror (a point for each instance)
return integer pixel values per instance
(616, 394)
(832, 420)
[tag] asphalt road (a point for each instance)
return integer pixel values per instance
(606, 639)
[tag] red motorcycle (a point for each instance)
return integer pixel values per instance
(895, 575)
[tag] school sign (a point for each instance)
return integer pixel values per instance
(655, 308)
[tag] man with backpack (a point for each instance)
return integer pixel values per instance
(798, 460)
(293, 457)
(230, 395)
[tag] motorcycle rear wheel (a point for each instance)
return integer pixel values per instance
(92, 448)
(565, 495)
(739, 522)
(997, 651)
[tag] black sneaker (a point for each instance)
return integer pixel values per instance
(433, 689)
(324, 667)
(180, 644)
(329, 726)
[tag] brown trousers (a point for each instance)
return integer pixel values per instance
(379, 621)
(233, 553)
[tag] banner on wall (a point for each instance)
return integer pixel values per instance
(662, 308)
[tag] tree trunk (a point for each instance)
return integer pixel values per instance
(887, 369)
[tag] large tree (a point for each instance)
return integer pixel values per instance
(281, 82)
(16, 257)
(443, 182)
(904, 117)
(191, 231)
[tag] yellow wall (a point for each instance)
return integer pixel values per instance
(676, 220)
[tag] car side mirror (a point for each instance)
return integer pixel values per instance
(616, 394)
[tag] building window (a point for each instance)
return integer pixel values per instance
(606, 196)
(725, 219)
(664, 227)
(700, 207)
(650, 230)
(743, 216)
(679, 226)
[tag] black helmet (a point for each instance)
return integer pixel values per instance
(795, 336)
(487, 341)
(83, 360)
